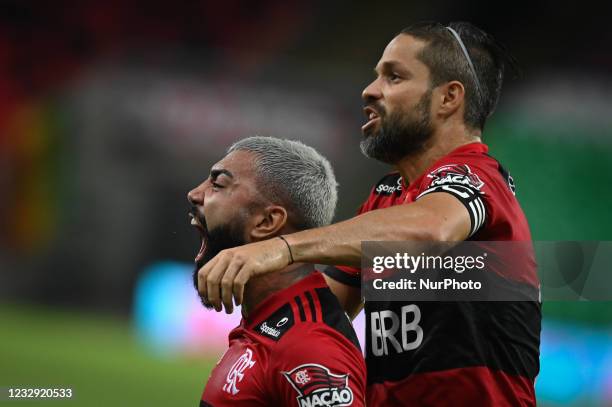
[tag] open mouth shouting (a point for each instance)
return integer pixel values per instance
(373, 118)
(201, 227)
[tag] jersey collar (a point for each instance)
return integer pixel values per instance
(476, 147)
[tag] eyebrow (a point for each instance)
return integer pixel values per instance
(391, 65)
(214, 173)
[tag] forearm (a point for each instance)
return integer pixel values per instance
(435, 217)
(340, 243)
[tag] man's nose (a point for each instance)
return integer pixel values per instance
(196, 195)
(371, 92)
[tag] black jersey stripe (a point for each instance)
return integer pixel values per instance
(298, 301)
(334, 316)
(343, 277)
(311, 305)
(505, 175)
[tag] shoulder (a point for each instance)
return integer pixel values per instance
(312, 317)
(478, 171)
(320, 348)
(318, 317)
(314, 312)
(313, 357)
(318, 369)
(482, 161)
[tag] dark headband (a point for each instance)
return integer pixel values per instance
(469, 60)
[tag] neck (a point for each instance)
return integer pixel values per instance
(260, 288)
(442, 142)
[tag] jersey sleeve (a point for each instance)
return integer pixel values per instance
(464, 182)
(320, 370)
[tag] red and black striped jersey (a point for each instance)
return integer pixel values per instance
(455, 353)
(297, 348)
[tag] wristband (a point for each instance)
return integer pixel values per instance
(288, 248)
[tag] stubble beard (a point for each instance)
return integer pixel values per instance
(220, 238)
(400, 134)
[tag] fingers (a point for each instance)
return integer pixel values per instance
(216, 280)
(226, 275)
(203, 276)
(213, 281)
(227, 283)
(240, 281)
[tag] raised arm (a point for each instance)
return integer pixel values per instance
(434, 217)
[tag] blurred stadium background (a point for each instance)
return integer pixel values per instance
(111, 111)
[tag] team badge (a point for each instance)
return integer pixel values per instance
(455, 174)
(317, 386)
(236, 373)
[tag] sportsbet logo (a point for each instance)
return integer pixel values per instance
(317, 386)
(264, 328)
(389, 189)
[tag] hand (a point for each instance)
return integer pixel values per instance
(228, 272)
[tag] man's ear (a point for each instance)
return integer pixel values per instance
(451, 97)
(272, 219)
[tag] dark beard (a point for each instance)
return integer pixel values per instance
(400, 134)
(222, 237)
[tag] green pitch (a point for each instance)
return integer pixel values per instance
(98, 357)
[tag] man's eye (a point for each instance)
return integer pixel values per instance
(394, 77)
(215, 185)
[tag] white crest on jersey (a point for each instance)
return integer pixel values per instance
(302, 377)
(236, 373)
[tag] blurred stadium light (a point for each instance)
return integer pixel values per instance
(576, 365)
(169, 317)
